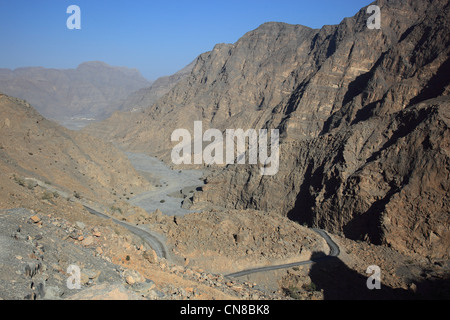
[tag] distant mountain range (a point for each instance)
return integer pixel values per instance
(92, 90)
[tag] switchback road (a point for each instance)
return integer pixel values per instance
(150, 238)
(334, 252)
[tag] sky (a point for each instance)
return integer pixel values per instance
(156, 37)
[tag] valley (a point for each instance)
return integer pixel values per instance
(359, 119)
(173, 189)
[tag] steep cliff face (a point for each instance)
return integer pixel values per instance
(233, 86)
(385, 180)
(363, 116)
(377, 166)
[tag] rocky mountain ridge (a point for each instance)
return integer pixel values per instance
(363, 116)
(146, 97)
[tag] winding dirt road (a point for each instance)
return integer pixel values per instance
(334, 252)
(150, 238)
(161, 250)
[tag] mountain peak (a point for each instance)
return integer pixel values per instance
(94, 64)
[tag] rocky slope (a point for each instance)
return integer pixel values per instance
(39, 243)
(32, 147)
(37, 249)
(227, 241)
(93, 89)
(146, 97)
(46, 173)
(363, 116)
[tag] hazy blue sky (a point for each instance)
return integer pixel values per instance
(156, 37)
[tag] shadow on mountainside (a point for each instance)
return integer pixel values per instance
(339, 282)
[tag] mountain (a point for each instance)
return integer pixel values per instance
(146, 97)
(363, 117)
(45, 231)
(92, 90)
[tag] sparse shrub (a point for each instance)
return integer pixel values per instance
(19, 181)
(293, 292)
(47, 196)
(310, 287)
(162, 201)
(76, 195)
(116, 209)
